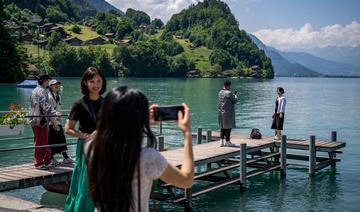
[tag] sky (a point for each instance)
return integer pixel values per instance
(283, 24)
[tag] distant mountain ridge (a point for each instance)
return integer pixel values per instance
(348, 55)
(305, 64)
(282, 66)
(323, 66)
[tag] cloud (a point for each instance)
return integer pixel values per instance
(306, 37)
(162, 9)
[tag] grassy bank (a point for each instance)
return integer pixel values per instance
(199, 55)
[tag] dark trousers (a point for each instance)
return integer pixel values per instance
(225, 133)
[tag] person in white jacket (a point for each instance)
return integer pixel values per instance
(56, 131)
(279, 114)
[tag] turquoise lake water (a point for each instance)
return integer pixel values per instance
(315, 106)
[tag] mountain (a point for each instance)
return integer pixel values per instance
(282, 66)
(210, 23)
(323, 66)
(104, 6)
(348, 55)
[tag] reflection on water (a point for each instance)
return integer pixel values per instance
(314, 106)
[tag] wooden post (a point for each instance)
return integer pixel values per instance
(283, 156)
(332, 155)
(188, 203)
(160, 127)
(208, 135)
(208, 139)
(161, 143)
(312, 156)
(333, 136)
(242, 164)
(199, 135)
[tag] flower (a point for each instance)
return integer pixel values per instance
(14, 116)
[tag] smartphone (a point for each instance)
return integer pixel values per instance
(167, 112)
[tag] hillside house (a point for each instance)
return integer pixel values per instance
(109, 36)
(31, 71)
(46, 27)
(126, 41)
(256, 71)
(74, 41)
(35, 19)
(96, 41)
(192, 73)
(93, 27)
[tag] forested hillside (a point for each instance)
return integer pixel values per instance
(211, 24)
(63, 37)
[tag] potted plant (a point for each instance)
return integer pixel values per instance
(12, 122)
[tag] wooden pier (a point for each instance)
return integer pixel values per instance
(217, 166)
(222, 166)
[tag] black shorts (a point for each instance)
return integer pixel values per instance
(278, 122)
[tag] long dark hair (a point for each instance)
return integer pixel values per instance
(115, 152)
(89, 74)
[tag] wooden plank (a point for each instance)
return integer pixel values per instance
(13, 176)
(323, 165)
(253, 174)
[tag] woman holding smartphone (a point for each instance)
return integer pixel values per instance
(120, 168)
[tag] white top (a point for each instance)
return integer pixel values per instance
(281, 104)
(56, 106)
(152, 165)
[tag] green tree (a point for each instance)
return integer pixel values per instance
(10, 68)
(137, 17)
(76, 29)
(54, 41)
(54, 14)
(157, 23)
(221, 57)
(123, 28)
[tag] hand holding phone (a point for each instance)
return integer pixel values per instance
(167, 112)
(184, 121)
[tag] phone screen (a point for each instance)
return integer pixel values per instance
(167, 113)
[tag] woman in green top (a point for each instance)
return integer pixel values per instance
(84, 111)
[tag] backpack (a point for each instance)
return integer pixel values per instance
(255, 133)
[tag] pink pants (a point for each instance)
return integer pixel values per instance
(41, 137)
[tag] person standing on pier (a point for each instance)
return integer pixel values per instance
(279, 114)
(226, 113)
(84, 111)
(121, 169)
(56, 131)
(40, 114)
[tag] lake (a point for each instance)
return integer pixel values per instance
(315, 106)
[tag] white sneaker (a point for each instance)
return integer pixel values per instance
(68, 161)
(221, 143)
(54, 162)
(229, 144)
(42, 167)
